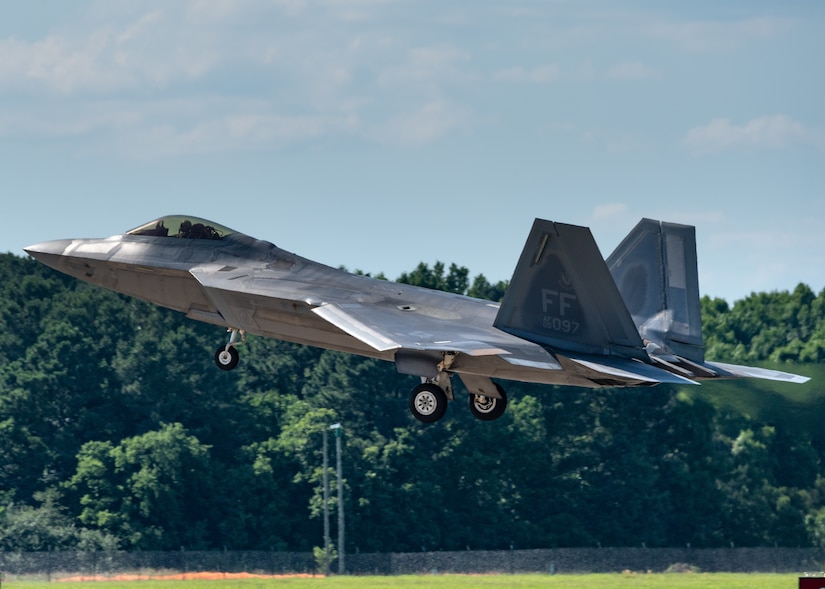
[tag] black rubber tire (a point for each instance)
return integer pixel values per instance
(428, 402)
(488, 408)
(227, 358)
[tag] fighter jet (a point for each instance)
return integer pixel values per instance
(569, 316)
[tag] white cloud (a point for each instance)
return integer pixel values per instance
(612, 140)
(427, 67)
(766, 132)
(63, 122)
(537, 75)
(117, 74)
(106, 59)
(229, 133)
(314, 65)
(427, 123)
(698, 218)
(151, 129)
(630, 70)
(785, 253)
(609, 211)
(221, 10)
(703, 36)
(355, 10)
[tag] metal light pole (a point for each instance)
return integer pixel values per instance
(326, 507)
(339, 433)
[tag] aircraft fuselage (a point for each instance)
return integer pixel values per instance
(563, 320)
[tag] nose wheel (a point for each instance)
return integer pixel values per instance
(227, 356)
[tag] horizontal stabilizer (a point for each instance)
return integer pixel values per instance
(736, 371)
(631, 371)
(563, 296)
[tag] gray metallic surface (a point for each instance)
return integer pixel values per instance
(562, 295)
(563, 320)
(656, 271)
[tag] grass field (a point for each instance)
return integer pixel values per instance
(605, 581)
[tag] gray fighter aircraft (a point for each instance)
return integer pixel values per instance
(569, 316)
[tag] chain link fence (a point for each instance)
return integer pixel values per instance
(53, 565)
(591, 560)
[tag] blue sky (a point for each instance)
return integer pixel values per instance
(377, 134)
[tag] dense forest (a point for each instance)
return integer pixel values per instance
(118, 432)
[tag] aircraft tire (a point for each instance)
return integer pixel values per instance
(227, 358)
(488, 408)
(428, 402)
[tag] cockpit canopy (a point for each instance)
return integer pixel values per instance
(182, 226)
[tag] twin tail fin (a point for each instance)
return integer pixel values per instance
(656, 272)
(563, 296)
(640, 305)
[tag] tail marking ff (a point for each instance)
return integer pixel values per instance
(563, 296)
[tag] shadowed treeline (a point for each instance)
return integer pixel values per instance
(118, 432)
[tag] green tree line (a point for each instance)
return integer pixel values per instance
(118, 432)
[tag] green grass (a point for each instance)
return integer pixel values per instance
(602, 581)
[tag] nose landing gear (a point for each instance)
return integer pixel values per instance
(227, 357)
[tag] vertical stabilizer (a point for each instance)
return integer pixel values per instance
(655, 270)
(562, 295)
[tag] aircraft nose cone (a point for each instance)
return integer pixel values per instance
(48, 252)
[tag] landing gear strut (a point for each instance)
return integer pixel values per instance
(227, 356)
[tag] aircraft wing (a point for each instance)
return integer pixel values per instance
(377, 321)
(384, 328)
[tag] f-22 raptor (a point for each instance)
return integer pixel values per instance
(568, 317)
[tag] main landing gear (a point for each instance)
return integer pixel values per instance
(488, 408)
(428, 403)
(227, 356)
